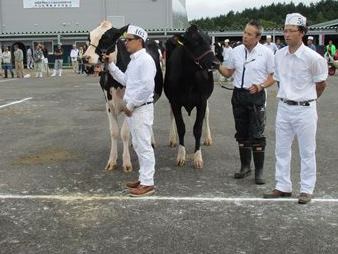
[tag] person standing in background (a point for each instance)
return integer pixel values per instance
(45, 60)
(271, 45)
(80, 60)
(38, 61)
(58, 53)
(74, 54)
(18, 60)
(7, 62)
(29, 57)
(310, 43)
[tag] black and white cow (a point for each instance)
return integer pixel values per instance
(189, 83)
(105, 39)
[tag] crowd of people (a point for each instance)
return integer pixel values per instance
(37, 61)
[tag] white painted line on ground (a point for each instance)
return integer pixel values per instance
(164, 198)
(15, 102)
(6, 80)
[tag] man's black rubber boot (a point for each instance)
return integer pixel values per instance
(245, 157)
(258, 156)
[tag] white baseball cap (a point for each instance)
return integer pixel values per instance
(295, 19)
(268, 36)
(226, 40)
(310, 38)
(138, 31)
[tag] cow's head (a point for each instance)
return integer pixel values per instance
(197, 44)
(102, 40)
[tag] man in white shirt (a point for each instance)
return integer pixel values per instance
(226, 52)
(138, 97)
(301, 73)
(310, 43)
(74, 54)
(252, 66)
(271, 45)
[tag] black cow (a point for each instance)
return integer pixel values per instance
(189, 83)
(105, 39)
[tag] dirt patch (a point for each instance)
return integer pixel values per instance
(46, 156)
(10, 111)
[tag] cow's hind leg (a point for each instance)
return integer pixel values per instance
(181, 155)
(207, 132)
(173, 132)
(125, 136)
(198, 160)
(114, 133)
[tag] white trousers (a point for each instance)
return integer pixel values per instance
(140, 125)
(299, 121)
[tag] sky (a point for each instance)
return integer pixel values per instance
(211, 8)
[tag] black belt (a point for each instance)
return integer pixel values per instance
(297, 103)
(146, 103)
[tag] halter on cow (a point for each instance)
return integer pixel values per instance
(105, 39)
(189, 83)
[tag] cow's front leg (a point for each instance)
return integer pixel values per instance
(114, 133)
(125, 136)
(173, 132)
(181, 155)
(200, 114)
(207, 132)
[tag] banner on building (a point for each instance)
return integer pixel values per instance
(51, 3)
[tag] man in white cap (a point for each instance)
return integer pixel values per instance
(310, 43)
(271, 45)
(301, 74)
(252, 66)
(138, 97)
(226, 52)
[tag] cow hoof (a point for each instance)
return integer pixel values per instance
(180, 159)
(172, 144)
(198, 164)
(198, 161)
(208, 142)
(180, 163)
(127, 169)
(111, 166)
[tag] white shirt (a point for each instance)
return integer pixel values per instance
(6, 57)
(226, 54)
(272, 46)
(251, 67)
(298, 72)
(138, 79)
(74, 53)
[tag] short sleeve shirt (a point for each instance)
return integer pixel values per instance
(251, 67)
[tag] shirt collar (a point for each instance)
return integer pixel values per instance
(298, 53)
(137, 53)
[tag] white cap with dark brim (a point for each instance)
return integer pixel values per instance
(295, 19)
(138, 31)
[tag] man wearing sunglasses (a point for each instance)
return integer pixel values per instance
(138, 97)
(251, 65)
(301, 73)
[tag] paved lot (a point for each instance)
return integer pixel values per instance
(55, 196)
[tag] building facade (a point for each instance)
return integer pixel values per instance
(28, 22)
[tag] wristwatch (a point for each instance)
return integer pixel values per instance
(262, 86)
